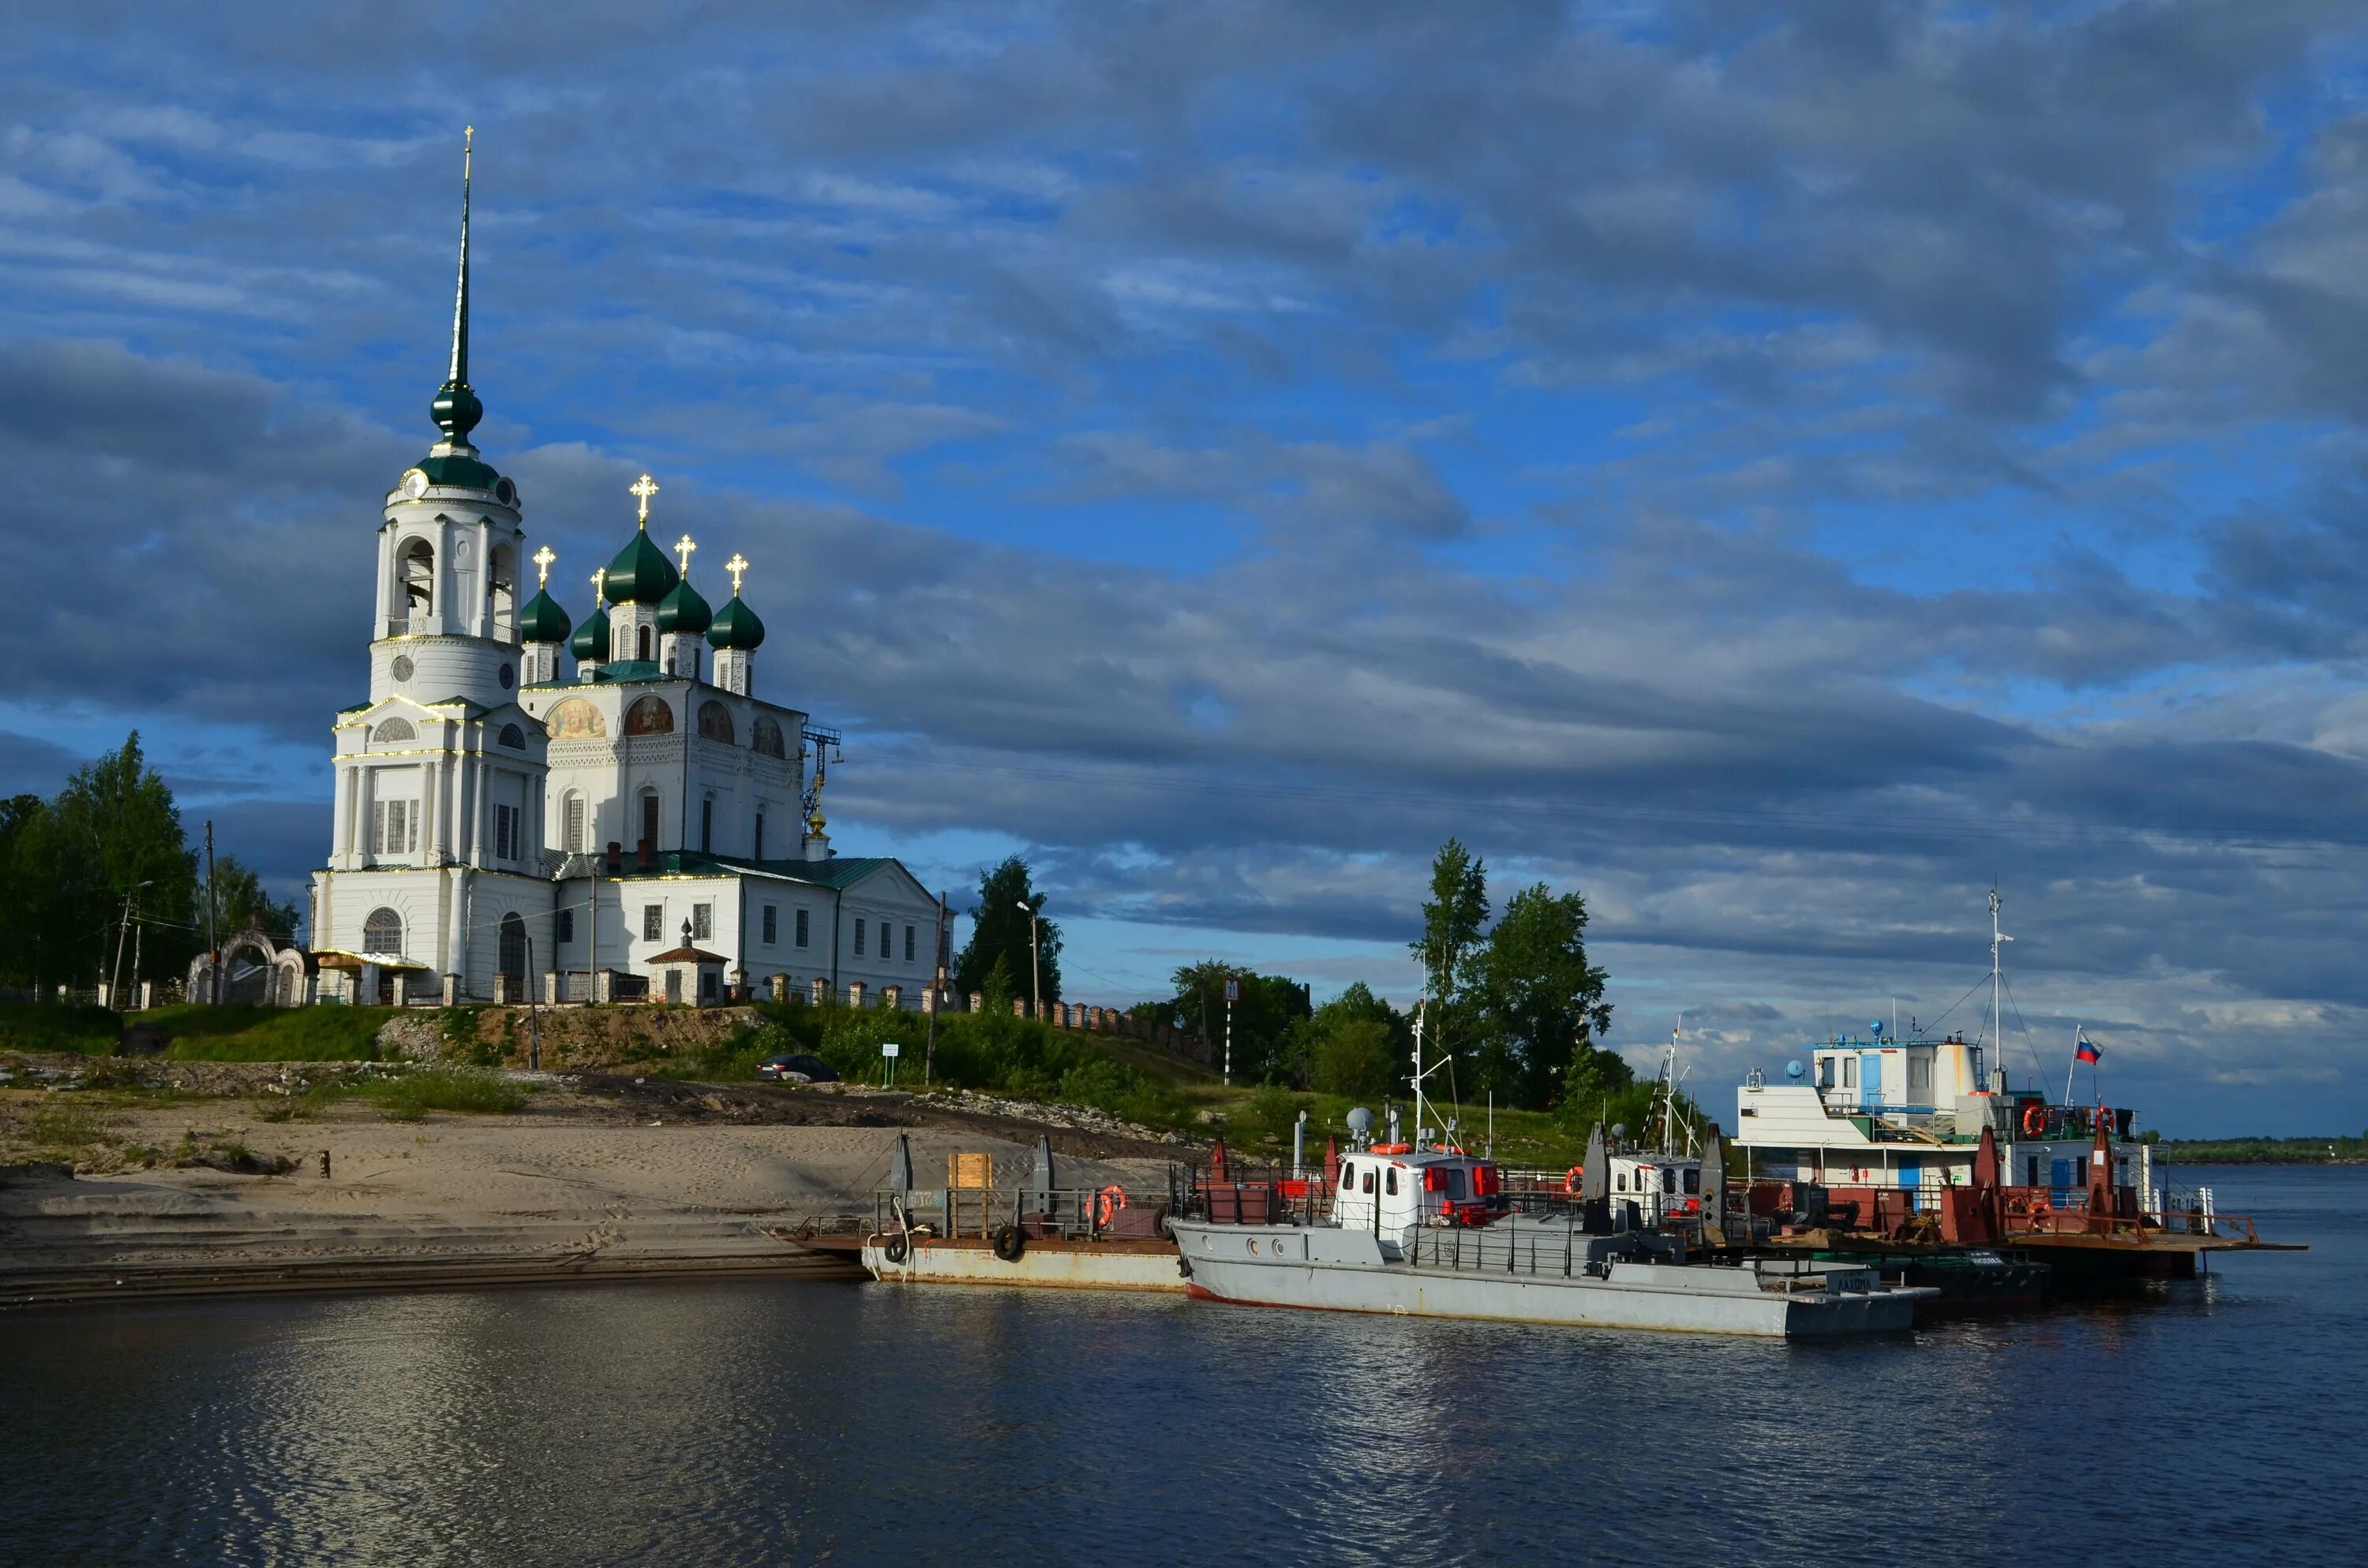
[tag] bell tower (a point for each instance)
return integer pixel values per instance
(446, 616)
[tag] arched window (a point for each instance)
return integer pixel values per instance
(716, 722)
(417, 572)
(571, 814)
(501, 592)
(513, 737)
(765, 737)
(642, 644)
(514, 948)
(387, 731)
(649, 716)
(383, 933)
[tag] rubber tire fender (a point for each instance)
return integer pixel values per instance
(1009, 1244)
(896, 1248)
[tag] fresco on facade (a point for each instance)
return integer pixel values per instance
(649, 716)
(575, 720)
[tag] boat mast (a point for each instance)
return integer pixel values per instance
(1998, 1021)
(1669, 1089)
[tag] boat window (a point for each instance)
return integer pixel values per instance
(1850, 1072)
(1623, 1181)
(1366, 1185)
(1669, 1179)
(1390, 1181)
(1347, 1176)
(1454, 1182)
(1693, 1179)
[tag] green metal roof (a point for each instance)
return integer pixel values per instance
(684, 610)
(736, 626)
(454, 468)
(591, 643)
(542, 620)
(641, 575)
(838, 873)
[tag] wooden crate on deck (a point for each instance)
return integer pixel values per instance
(969, 1170)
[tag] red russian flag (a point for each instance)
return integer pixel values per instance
(2085, 1051)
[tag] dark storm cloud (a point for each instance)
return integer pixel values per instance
(1777, 468)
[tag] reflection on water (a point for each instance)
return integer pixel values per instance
(764, 1423)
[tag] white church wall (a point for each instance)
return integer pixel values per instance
(415, 897)
(439, 667)
(489, 896)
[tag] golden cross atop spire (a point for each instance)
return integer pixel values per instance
(643, 488)
(683, 547)
(542, 559)
(601, 586)
(736, 565)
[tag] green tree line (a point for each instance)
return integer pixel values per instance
(99, 883)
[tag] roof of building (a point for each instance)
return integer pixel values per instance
(457, 469)
(687, 955)
(684, 610)
(837, 874)
(591, 641)
(641, 575)
(736, 626)
(542, 620)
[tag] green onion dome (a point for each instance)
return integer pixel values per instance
(542, 620)
(684, 610)
(736, 626)
(641, 575)
(591, 643)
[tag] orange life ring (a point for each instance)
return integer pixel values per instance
(1107, 1202)
(1574, 1180)
(1393, 1148)
(2034, 1119)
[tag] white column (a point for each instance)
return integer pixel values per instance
(341, 837)
(477, 814)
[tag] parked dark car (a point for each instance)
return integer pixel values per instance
(797, 1068)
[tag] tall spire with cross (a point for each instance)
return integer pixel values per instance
(456, 409)
(542, 559)
(683, 547)
(643, 488)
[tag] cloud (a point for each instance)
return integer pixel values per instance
(1776, 469)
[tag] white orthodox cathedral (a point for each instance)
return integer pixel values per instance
(507, 827)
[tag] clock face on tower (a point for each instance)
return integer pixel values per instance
(415, 483)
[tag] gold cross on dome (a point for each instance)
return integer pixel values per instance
(601, 586)
(736, 565)
(683, 547)
(542, 559)
(643, 488)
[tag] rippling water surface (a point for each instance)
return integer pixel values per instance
(2216, 1422)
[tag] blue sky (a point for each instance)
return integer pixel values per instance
(1773, 468)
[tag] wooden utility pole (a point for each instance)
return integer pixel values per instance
(213, 945)
(937, 996)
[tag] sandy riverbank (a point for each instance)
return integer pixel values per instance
(617, 1182)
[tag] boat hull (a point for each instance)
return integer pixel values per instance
(1047, 1264)
(1314, 1268)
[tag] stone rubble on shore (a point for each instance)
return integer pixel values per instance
(1078, 1118)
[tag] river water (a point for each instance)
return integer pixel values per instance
(2217, 1422)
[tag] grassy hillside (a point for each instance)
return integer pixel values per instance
(49, 1025)
(238, 1032)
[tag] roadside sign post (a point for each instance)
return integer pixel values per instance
(889, 1052)
(1233, 994)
